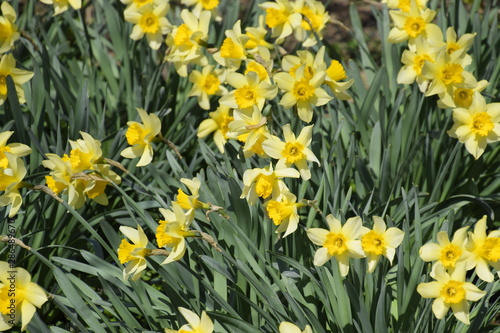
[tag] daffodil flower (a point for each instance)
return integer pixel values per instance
(265, 182)
(232, 51)
(302, 92)
(185, 42)
(195, 324)
(8, 28)
(414, 23)
(312, 63)
(294, 151)
(334, 74)
(447, 253)
(380, 242)
(310, 30)
(450, 291)
(404, 5)
(134, 255)
(140, 136)
(202, 5)
(217, 122)
(283, 212)
(249, 91)
(477, 125)
(287, 327)
(250, 129)
(19, 76)
(484, 250)
(21, 303)
(207, 83)
(172, 231)
(340, 242)
(62, 6)
(149, 20)
(257, 37)
(282, 18)
(10, 182)
(16, 149)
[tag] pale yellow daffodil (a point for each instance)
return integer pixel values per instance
(484, 251)
(449, 254)
(8, 28)
(217, 122)
(294, 151)
(19, 297)
(60, 6)
(450, 291)
(19, 76)
(477, 125)
(10, 182)
(140, 136)
(287, 327)
(341, 242)
(207, 83)
(133, 255)
(283, 212)
(265, 183)
(195, 324)
(380, 242)
(313, 24)
(16, 149)
(149, 20)
(250, 129)
(232, 51)
(282, 18)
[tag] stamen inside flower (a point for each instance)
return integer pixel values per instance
(293, 152)
(211, 84)
(414, 26)
(373, 243)
(245, 96)
(451, 73)
(335, 243)
(453, 292)
(302, 90)
(481, 123)
(450, 255)
(149, 23)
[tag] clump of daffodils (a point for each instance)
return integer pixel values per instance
(82, 174)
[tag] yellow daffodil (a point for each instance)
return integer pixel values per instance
(140, 136)
(134, 255)
(10, 182)
(249, 91)
(60, 180)
(207, 83)
(262, 64)
(283, 212)
(380, 242)
(340, 242)
(19, 76)
(185, 42)
(477, 125)
(195, 324)
(265, 183)
(314, 20)
(60, 6)
(413, 61)
(171, 232)
(334, 74)
(404, 5)
(311, 63)
(302, 92)
(140, 3)
(250, 129)
(449, 254)
(282, 18)
(287, 327)
(294, 151)
(16, 149)
(484, 250)
(450, 291)
(218, 123)
(414, 23)
(149, 20)
(19, 297)
(190, 202)
(202, 5)
(463, 97)
(446, 73)
(84, 153)
(8, 28)
(257, 37)
(462, 44)
(232, 51)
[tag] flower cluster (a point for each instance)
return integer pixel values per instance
(439, 66)
(452, 259)
(353, 240)
(82, 174)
